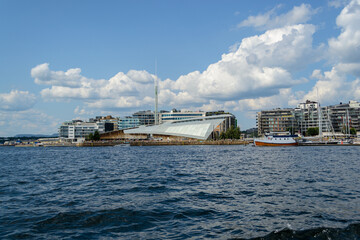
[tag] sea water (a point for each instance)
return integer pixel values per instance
(180, 192)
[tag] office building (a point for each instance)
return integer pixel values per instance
(145, 117)
(77, 130)
(128, 122)
(175, 115)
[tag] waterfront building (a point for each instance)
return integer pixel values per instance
(107, 123)
(345, 116)
(231, 121)
(276, 120)
(104, 126)
(296, 120)
(143, 123)
(128, 122)
(77, 130)
(145, 117)
(175, 115)
(331, 120)
(307, 116)
(334, 120)
(202, 128)
(148, 117)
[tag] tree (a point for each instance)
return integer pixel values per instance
(222, 135)
(90, 137)
(352, 131)
(231, 133)
(96, 135)
(312, 131)
(237, 133)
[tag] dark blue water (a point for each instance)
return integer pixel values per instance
(180, 192)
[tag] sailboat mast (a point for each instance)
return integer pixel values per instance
(156, 96)
(319, 113)
(320, 120)
(348, 121)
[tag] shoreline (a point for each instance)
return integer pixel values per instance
(178, 143)
(166, 143)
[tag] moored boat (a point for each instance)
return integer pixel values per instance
(274, 139)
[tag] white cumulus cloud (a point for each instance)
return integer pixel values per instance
(17, 100)
(43, 75)
(120, 91)
(257, 73)
(269, 20)
(261, 66)
(337, 84)
(333, 86)
(346, 47)
(29, 121)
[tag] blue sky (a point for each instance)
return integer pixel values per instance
(61, 60)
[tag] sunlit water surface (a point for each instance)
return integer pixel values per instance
(180, 192)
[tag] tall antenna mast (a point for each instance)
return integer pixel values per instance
(156, 96)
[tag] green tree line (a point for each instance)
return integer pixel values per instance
(231, 133)
(94, 137)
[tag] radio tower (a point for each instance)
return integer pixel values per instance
(156, 96)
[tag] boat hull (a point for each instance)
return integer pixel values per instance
(268, 144)
(276, 139)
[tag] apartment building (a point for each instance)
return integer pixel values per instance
(276, 120)
(345, 116)
(335, 119)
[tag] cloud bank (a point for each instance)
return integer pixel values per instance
(256, 74)
(261, 66)
(17, 100)
(345, 49)
(121, 91)
(341, 82)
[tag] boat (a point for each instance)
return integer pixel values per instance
(274, 139)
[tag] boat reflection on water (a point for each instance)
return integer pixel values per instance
(274, 139)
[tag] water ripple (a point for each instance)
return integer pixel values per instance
(180, 192)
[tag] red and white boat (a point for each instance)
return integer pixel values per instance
(274, 139)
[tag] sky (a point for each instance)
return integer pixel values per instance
(65, 60)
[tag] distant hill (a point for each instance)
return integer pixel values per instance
(36, 135)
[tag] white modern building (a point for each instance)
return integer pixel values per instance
(202, 128)
(77, 130)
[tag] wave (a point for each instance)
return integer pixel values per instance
(352, 231)
(124, 220)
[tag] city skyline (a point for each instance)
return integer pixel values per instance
(79, 59)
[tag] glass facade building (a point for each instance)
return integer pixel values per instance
(145, 117)
(175, 115)
(128, 122)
